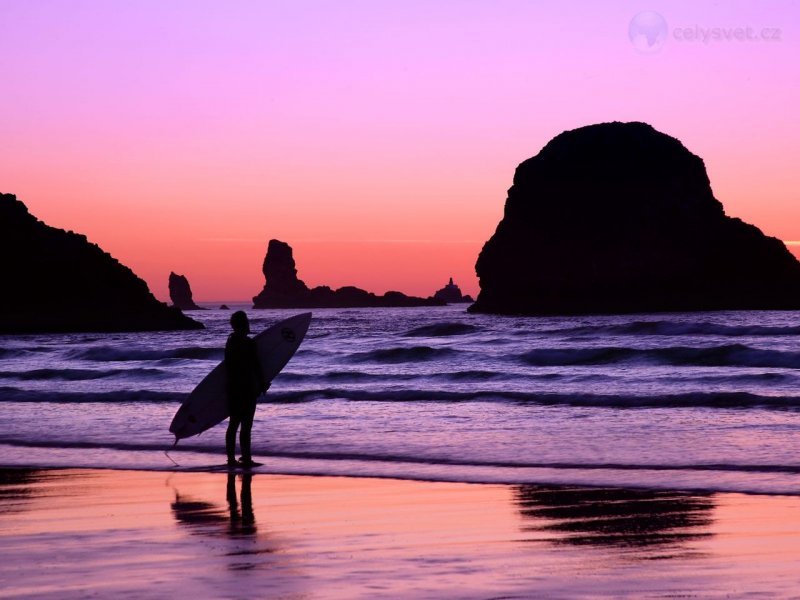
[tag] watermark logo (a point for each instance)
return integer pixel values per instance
(647, 32)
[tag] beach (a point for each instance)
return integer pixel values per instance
(76, 533)
(412, 453)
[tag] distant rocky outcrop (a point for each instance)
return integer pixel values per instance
(180, 292)
(283, 289)
(451, 294)
(620, 218)
(57, 281)
(223, 307)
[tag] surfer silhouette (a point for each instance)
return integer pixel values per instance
(244, 383)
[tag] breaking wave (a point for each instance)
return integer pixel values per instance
(192, 445)
(82, 374)
(402, 354)
(676, 328)
(687, 400)
(116, 354)
(12, 394)
(732, 355)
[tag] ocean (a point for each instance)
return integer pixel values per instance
(694, 401)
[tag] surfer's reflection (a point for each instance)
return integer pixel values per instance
(242, 521)
(225, 531)
(615, 517)
(209, 518)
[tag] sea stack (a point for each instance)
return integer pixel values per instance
(57, 281)
(620, 218)
(283, 289)
(180, 292)
(451, 294)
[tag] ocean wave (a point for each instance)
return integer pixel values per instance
(361, 377)
(739, 378)
(732, 355)
(82, 374)
(441, 330)
(685, 400)
(12, 394)
(679, 328)
(191, 445)
(474, 375)
(402, 354)
(116, 354)
(351, 376)
(24, 352)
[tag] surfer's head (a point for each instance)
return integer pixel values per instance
(239, 322)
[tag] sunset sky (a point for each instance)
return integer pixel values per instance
(377, 138)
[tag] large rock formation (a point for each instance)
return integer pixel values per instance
(283, 289)
(56, 281)
(618, 217)
(180, 292)
(451, 294)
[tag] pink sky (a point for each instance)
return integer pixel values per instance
(377, 138)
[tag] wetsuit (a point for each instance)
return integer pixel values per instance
(244, 382)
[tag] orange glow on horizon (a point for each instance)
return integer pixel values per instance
(377, 140)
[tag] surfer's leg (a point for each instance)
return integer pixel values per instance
(230, 438)
(244, 435)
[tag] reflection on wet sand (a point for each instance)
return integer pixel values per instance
(616, 517)
(242, 521)
(79, 534)
(209, 518)
(236, 521)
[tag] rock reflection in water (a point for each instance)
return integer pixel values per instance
(20, 487)
(16, 488)
(616, 517)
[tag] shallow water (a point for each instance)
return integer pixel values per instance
(693, 401)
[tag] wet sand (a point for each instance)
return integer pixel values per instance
(139, 534)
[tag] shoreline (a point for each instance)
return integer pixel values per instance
(77, 532)
(757, 480)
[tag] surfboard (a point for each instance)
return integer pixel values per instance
(207, 405)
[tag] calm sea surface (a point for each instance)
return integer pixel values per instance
(705, 401)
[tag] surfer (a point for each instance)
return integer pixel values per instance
(245, 382)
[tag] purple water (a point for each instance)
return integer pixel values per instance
(695, 401)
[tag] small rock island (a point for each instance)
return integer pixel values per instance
(451, 294)
(283, 289)
(621, 218)
(57, 281)
(180, 292)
